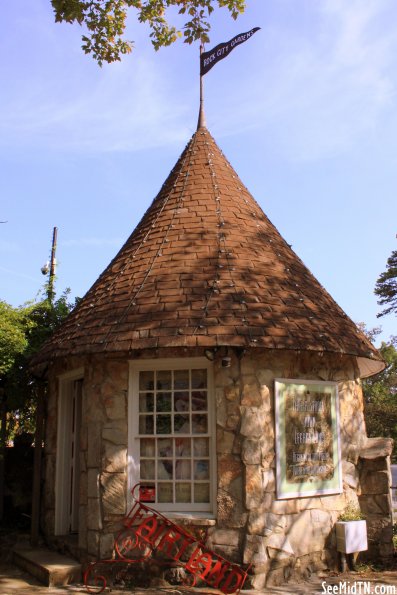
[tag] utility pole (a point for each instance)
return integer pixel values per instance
(41, 394)
(53, 262)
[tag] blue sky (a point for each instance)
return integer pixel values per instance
(305, 112)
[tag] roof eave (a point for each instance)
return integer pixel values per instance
(368, 365)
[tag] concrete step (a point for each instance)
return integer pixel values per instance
(50, 568)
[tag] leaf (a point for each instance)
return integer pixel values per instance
(105, 22)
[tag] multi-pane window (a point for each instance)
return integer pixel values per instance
(173, 433)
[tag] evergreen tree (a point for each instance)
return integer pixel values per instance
(386, 286)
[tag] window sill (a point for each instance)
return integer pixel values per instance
(178, 518)
(190, 519)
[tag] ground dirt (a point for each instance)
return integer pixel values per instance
(365, 580)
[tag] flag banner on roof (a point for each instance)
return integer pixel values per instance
(210, 58)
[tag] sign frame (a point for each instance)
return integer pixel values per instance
(314, 423)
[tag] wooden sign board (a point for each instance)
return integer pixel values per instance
(307, 438)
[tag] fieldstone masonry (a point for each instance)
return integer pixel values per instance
(375, 496)
(281, 538)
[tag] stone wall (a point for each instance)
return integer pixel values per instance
(281, 538)
(375, 497)
(104, 441)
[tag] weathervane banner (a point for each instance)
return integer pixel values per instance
(210, 58)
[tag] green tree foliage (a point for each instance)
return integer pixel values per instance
(13, 339)
(386, 286)
(106, 20)
(380, 396)
(22, 332)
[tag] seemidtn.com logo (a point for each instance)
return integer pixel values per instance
(358, 588)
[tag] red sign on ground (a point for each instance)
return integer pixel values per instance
(148, 532)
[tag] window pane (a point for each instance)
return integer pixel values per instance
(199, 424)
(147, 447)
(183, 492)
(181, 379)
(183, 469)
(201, 492)
(201, 470)
(182, 447)
(163, 380)
(181, 401)
(199, 401)
(164, 447)
(164, 492)
(163, 424)
(163, 401)
(199, 378)
(146, 424)
(146, 380)
(201, 447)
(146, 402)
(181, 424)
(165, 469)
(147, 469)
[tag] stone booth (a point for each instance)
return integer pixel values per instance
(170, 372)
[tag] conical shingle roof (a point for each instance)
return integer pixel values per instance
(206, 267)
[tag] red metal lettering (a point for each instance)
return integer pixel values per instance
(168, 540)
(138, 514)
(161, 528)
(206, 561)
(227, 587)
(144, 524)
(217, 574)
(148, 526)
(190, 563)
(199, 563)
(182, 549)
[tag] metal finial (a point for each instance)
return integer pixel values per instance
(201, 119)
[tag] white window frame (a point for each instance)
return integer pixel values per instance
(184, 510)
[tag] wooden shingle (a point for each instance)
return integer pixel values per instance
(206, 267)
